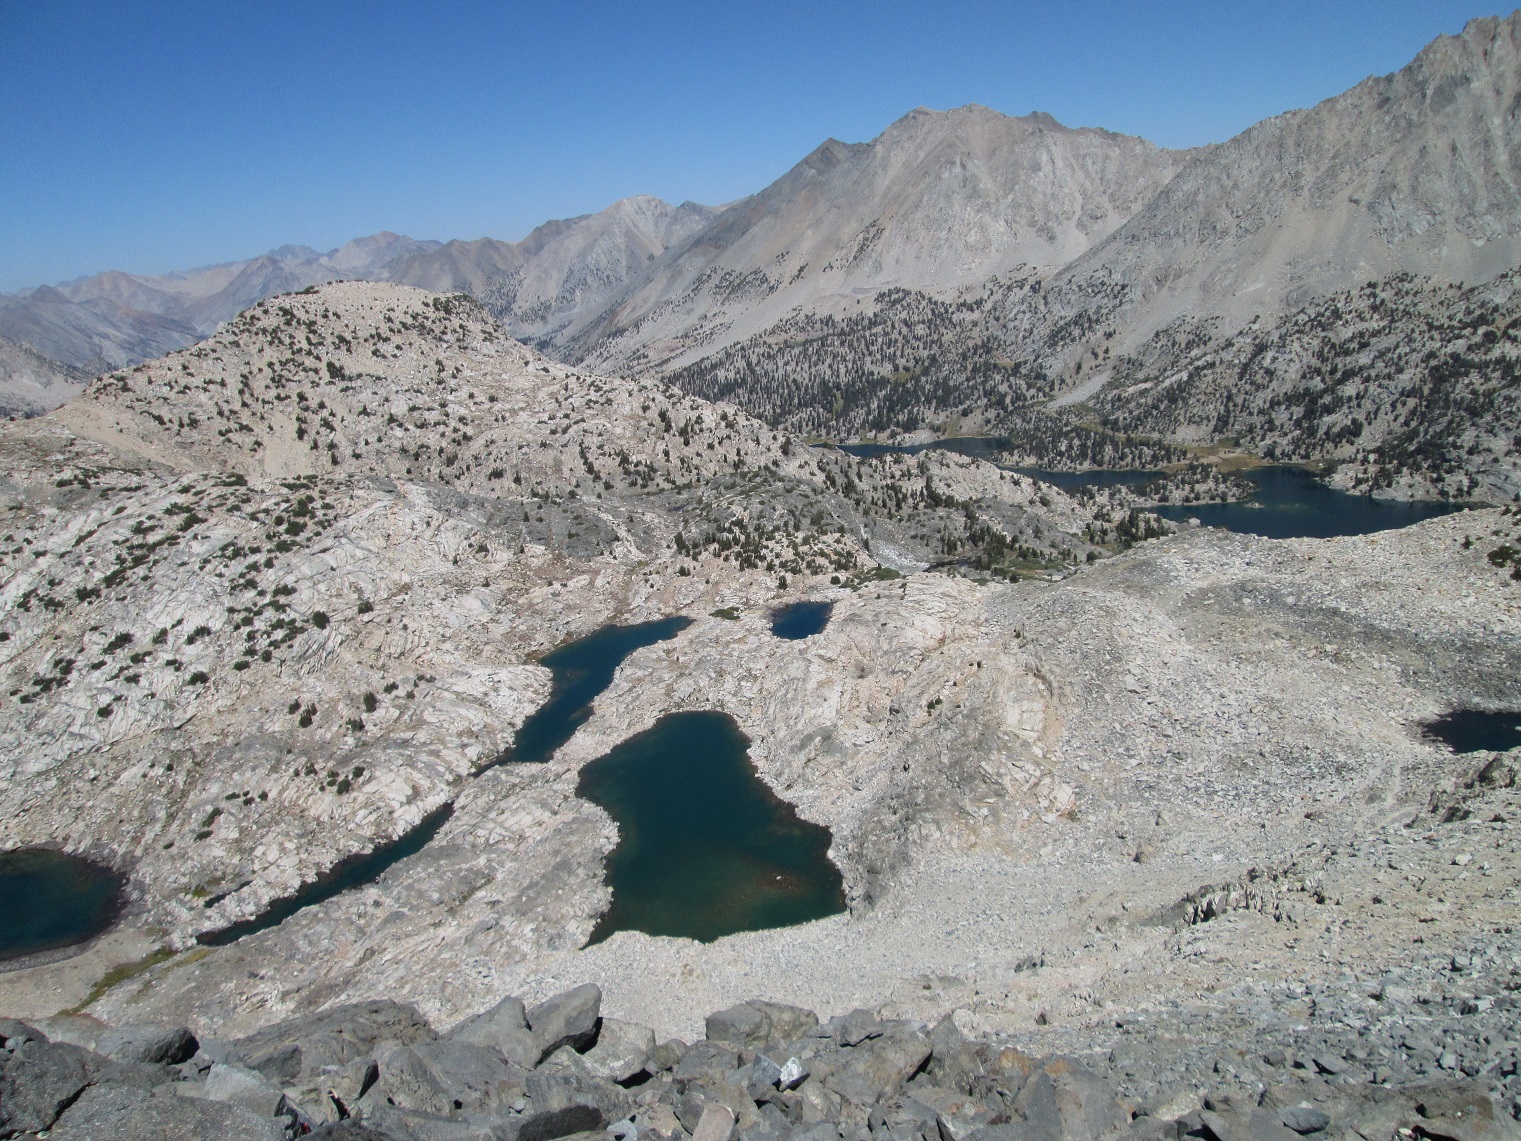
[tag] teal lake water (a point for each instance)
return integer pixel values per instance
(582, 670)
(53, 899)
(705, 848)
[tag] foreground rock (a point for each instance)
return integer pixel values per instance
(377, 1071)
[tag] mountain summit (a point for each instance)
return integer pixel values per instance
(939, 200)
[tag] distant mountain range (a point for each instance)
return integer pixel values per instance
(964, 269)
(113, 319)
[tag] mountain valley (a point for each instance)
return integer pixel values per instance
(1134, 828)
(293, 579)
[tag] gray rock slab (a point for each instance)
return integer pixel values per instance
(877, 1067)
(113, 1112)
(504, 1027)
(39, 1080)
(300, 1047)
(622, 1050)
(148, 1042)
(743, 1026)
(568, 1019)
(236, 1085)
(75, 1029)
(1304, 1118)
(716, 1124)
(564, 1089)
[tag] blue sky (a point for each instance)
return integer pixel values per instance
(150, 136)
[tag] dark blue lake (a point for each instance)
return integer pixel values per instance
(705, 848)
(1292, 504)
(53, 899)
(800, 619)
(1476, 730)
(582, 670)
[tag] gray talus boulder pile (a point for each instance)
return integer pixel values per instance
(765, 1072)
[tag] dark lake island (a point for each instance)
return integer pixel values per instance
(1476, 730)
(705, 848)
(50, 900)
(800, 619)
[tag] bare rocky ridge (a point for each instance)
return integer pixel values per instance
(1260, 232)
(938, 201)
(1413, 172)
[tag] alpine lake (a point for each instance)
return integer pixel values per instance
(705, 847)
(1290, 502)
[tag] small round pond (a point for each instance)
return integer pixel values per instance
(1476, 730)
(705, 848)
(800, 619)
(53, 899)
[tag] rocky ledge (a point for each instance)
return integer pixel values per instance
(766, 1071)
